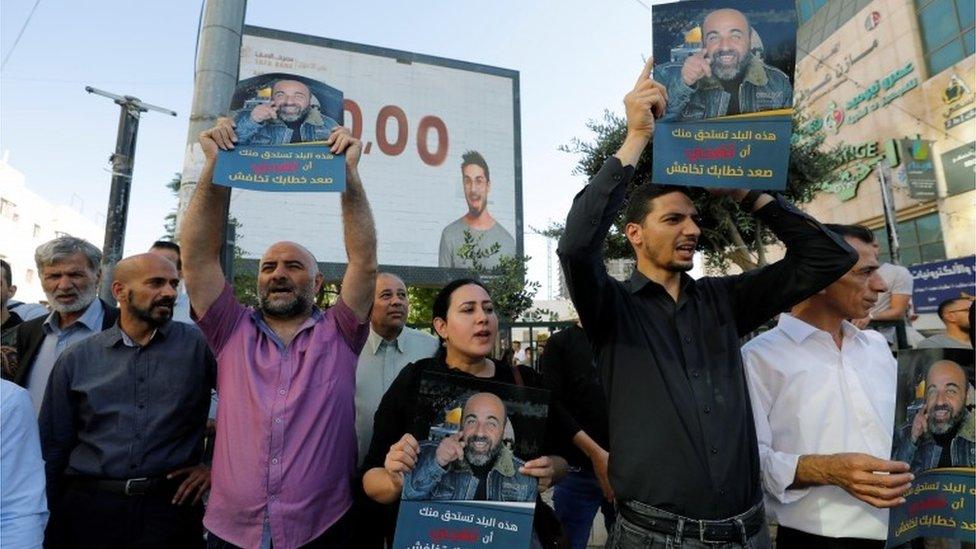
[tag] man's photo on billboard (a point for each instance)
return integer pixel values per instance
(719, 58)
(279, 109)
(478, 435)
(934, 422)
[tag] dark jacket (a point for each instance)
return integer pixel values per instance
(428, 480)
(925, 453)
(30, 335)
(763, 88)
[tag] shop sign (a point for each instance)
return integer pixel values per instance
(857, 161)
(959, 168)
(919, 168)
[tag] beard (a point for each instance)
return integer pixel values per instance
(300, 302)
(293, 116)
(476, 210)
(84, 299)
(729, 72)
(158, 313)
(680, 266)
(942, 427)
(478, 458)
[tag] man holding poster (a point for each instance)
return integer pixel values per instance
(286, 371)
(684, 463)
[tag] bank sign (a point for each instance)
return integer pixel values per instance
(938, 281)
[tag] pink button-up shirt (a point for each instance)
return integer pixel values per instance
(286, 442)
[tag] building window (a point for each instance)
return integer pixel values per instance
(8, 209)
(919, 241)
(806, 9)
(947, 31)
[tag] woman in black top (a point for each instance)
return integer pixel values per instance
(465, 320)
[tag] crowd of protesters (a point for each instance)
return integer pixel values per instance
(657, 417)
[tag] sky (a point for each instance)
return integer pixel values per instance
(575, 59)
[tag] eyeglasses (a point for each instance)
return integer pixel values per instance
(966, 310)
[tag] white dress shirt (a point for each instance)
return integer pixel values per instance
(809, 397)
(380, 362)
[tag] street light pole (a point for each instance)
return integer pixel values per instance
(118, 200)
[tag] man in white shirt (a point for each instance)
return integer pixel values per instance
(823, 399)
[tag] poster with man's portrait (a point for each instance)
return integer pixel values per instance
(466, 487)
(282, 122)
(935, 433)
(720, 58)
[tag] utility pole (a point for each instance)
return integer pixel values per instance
(118, 199)
(888, 203)
(215, 77)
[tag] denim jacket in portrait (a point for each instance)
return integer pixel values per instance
(924, 454)
(763, 88)
(429, 481)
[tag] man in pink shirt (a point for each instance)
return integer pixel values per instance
(286, 372)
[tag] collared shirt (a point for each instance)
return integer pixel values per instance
(287, 443)
(809, 397)
(681, 428)
(379, 364)
(116, 410)
(55, 342)
(23, 507)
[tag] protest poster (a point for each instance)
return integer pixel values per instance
(728, 71)
(465, 489)
(935, 433)
(282, 122)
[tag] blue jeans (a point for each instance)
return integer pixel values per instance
(576, 499)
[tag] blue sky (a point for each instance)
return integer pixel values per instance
(575, 57)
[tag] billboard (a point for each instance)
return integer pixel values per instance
(417, 116)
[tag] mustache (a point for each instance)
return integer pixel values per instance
(164, 302)
(941, 408)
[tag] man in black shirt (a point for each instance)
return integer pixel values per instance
(8, 318)
(684, 460)
(569, 371)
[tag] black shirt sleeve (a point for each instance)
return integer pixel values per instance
(581, 248)
(815, 257)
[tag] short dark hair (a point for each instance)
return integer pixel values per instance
(169, 245)
(860, 232)
(639, 204)
(8, 277)
(474, 157)
(948, 303)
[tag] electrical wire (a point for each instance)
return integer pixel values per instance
(19, 34)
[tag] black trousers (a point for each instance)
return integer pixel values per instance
(338, 536)
(788, 538)
(88, 518)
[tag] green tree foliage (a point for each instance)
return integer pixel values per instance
(728, 234)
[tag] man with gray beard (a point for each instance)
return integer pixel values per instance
(472, 464)
(943, 432)
(725, 77)
(69, 272)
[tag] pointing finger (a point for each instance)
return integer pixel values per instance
(646, 71)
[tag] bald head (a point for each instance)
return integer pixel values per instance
(145, 287)
(485, 401)
(136, 266)
(483, 425)
(293, 250)
(727, 38)
(288, 280)
(945, 396)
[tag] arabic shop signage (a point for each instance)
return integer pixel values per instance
(957, 97)
(940, 280)
(874, 97)
(919, 168)
(857, 161)
(959, 168)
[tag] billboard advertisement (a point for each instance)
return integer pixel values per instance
(442, 157)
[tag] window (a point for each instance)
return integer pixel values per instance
(919, 240)
(947, 31)
(8, 209)
(806, 9)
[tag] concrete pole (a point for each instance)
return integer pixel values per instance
(217, 65)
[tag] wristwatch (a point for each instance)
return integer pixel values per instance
(749, 200)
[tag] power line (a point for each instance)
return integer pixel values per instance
(646, 7)
(858, 85)
(19, 34)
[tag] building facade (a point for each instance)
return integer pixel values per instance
(891, 84)
(27, 220)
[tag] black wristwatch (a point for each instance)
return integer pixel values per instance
(749, 200)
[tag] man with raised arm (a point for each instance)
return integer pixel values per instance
(684, 463)
(286, 371)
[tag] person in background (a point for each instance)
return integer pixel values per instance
(171, 251)
(955, 314)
